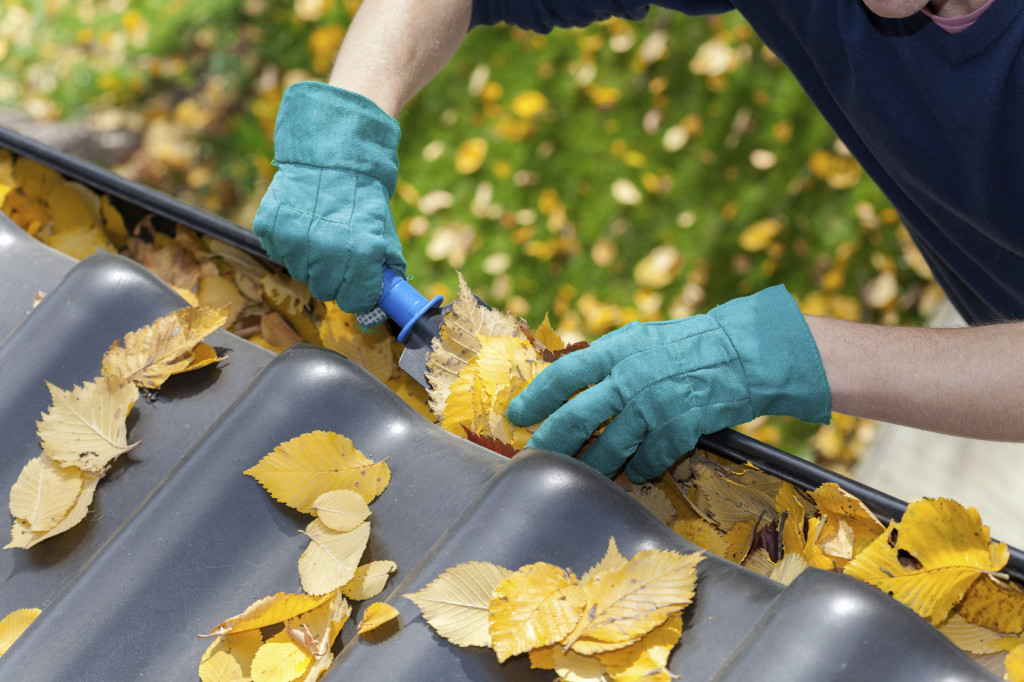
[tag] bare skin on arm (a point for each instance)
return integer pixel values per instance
(385, 56)
(965, 382)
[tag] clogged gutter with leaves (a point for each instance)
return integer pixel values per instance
(938, 559)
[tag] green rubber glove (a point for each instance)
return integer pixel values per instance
(667, 383)
(327, 214)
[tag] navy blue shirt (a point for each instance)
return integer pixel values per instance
(937, 120)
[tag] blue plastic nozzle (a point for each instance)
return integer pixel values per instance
(403, 303)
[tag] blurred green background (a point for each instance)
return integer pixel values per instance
(629, 170)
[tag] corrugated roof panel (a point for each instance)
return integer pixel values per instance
(180, 539)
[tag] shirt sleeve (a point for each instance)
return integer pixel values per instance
(543, 15)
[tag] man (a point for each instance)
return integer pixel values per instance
(927, 96)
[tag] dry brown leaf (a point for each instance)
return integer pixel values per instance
(150, 355)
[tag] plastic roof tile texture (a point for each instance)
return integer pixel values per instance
(179, 539)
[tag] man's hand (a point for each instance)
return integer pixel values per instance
(667, 383)
(327, 213)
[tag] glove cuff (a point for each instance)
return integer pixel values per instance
(324, 126)
(784, 371)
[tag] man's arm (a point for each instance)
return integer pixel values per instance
(965, 382)
(393, 48)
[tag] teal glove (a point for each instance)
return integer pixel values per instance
(667, 383)
(327, 215)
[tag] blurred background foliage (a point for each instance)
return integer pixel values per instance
(626, 171)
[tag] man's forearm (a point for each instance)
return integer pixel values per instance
(394, 47)
(966, 382)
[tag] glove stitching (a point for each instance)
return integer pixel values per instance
(746, 376)
(333, 168)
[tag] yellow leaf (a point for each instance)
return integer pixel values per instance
(150, 355)
(202, 355)
(536, 606)
(376, 614)
(837, 505)
(341, 510)
(331, 558)
(369, 349)
(369, 580)
(931, 557)
(812, 553)
(789, 567)
(729, 502)
(611, 561)
(85, 427)
(573, 667)
(270, 610)
(80, 243)
(1015, 664)
(13, 625)
(739, 540)
(229, 657)
(973, 638)
(113, 223)
(286, 295)
(470, 155)
(280, 659)
(995, 604)
(703, 534)
(623, 606)
(314, 630)
(298, 471)
(490, 369)
(646, 659)
(760, 235)
(547, 335)
(543, 658)
(24, 538)
(406, 388)
(220, 291)
(461, 331)
(456, 603)
(44, 493)
(791, 518)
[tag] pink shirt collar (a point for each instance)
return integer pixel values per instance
(958, 24)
